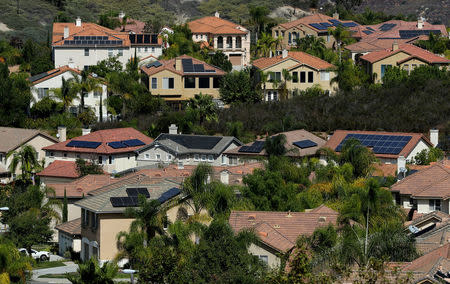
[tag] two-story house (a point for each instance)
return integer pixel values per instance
(42, 85)
(180, 79)
(111, 148)
(305, 71)
(81, 45)
(220, 34)
(405, 56)
(183, 149)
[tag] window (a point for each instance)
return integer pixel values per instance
(196, 157)
(295, 77)
(325, 76)
(78, 156)
(168, 83)
(224, 160)
(210, 158)
(97, 93)
(328, 38)
(158, 157)
(220, 42)
(169, 157)
(65, 155)
(154, 83)
(216, 82)
(196, 36)
(290, 38)
(229, 42)
(153, 49)
(139, 49)
(110, 52)
(310, 77)
(86, 52)
(189, 82)
(413, 66)
(435, 205)
(276, 33)
(203, 157)
(147, 156)
(406, 67)
(264, 258)
(203, 82)
(238, 42)
(383, 69)
(110, 159)
(232, 160)
(278, 76)
(100, 160)
(128, 156)
(302, 77)
(120, 52)
(145, 49)
(42, 93)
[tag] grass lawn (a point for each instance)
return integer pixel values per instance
(47, 264)
(60, 276)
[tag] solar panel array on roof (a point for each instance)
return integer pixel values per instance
(192, 141)
(93, 42)
(190, 67)
(169, 194)
(116, 145)
(326, 24)
(129, 201)
(42, 75)
(318, 26)
(133, 142)
(387, 27)
(83, 144)
(381, 144)
(369, 28)
(303, 144)
(256, 147)
(154, 64)
(136, 191)
(143, 38)
(414, 33)
(367, 32)
(350, 24)
(90, 38)
(336, 22)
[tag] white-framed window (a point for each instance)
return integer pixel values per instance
(145, 49)
(210, 158)
(110, 52)
(42, 93)
(100, 160)
(435, 205)
(232, 160)
(97, 93)
(139, 49)
(147, 156)
(154, 83)
(169, 157)
(110, 159)
(196, 157)
(224, 160)
(264, 258)
(120, 52)
(168, 83)
(153, 49)
(158, 157)
(203, 157)
(86, 52)
(324, 76)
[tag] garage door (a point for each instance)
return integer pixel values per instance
(235, 59)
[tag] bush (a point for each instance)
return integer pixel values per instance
(45, 108)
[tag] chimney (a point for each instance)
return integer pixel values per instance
(401, 166)
(434, 136)
(85, 131)
(78, 22)
(394, 45)
(173, 129)
(178, 65)
(66, 32)
(217, 15)
(121, 15)
(284, 53)
(420, 23)
(62, 133)
(336, 15)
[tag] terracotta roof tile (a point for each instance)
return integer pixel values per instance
(281, 229)
(316, 18)
(72, 227)
(339, 135)
(62, 169)
(426, 262)
(104, 136)
(301, 57)
(215, 25)
(412, 50)
(132, 25)
(83, 185)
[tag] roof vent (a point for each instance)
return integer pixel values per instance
(262, 234)
(276, 226)
(322, 219)
(289, 214)
(252, 217)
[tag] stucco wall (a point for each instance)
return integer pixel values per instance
(66, 241)
(75, 56)
(110, 226)
(303, 31)
(273, 261)
(417, 149)
(140, 52)
(391, 60)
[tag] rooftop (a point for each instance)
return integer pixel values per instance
(61, 169)
(300, 57)
(72, 227)
(12, 138)
(132, 26)
(319, 23)
(81, 186)
(50, 74)
(215, 25)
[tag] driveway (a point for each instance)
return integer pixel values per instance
(70, 267)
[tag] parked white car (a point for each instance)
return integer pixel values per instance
(38, 255)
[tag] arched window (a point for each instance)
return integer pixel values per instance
(290, 38)
(220, 42)
(238, 42)
(229, 42)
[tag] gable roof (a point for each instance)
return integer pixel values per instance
(430, 261)
(312, 19)
(180, 144)
(339, 135)
(170, 65)
(215, 25)
(412, 50)
(291, 137)
(298, 56)
(50, 74)
(280, 230)
(376, 44)
(72, 227)
(61, 169)
(104, 137)
(12, 138)
(80, 186)
(432, 182)
(87, 29)
(132, 26)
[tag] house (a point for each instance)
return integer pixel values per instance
(299, 143)
(81, 45)
(305, 70)
(180, 79)
(317, 25)
(184, 149)
(69, 236)
(111, 148)
(278, 231)
(12, 140)
(59, 171)
(405, 56)
(426, 191)
(389, 147)
(102, 214)
(220, 34)
(42, 85)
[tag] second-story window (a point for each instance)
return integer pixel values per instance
(302, 77)
(120, 51)
(110, 52)
(86, 52)
(189, 82)
(295, 77)
(238, 42)
(168, 83)
(310, 77)
(110, 159)
(100, 160)
(154, 83)
(42, 93)
(220, 42)
(229, 42)
(203, 82)
(216, 82)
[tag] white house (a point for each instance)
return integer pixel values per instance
(185, 149)
(42, 85)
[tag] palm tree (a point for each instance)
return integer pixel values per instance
(67, 93)
(274, 146)
(197, 187)
(266, 45)
(149, 217)
(284, 92)
(263, 79)
(258, 16)
(92, 272)
(204, 107)
(12, 263)
(339, 33)
(92, 84)
(359, 156)
(27, 158)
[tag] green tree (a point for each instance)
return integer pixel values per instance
(88, 168)
(13, 265)
(359, 156)
(202, 107)
(237, 87)
(219, 59)
(427, 156)
(394, 76)
(275, 145)
(67, 93)
(26, 157)
(299, 264)
(65, 210)
(266, 45)
(340, 33)
(198, 188)
(312, 45)
(148, 217)
(258, 18)
(349, 76)
(45, 108)
(92, 272)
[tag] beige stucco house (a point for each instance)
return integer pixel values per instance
(306, 71)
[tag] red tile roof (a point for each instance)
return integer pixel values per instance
(104, 136)
(72, 227)
(301, 57)
(53, 73)
(62, 169)
(215, 25)
(315, 18)
(376, 44)
(280, 230)
(170, 66)
(412, 50)
(86, 29)
(339, 135)
(428, 261)
(83, 185)
(132, 25)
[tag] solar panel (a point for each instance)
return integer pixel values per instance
(199, 68)
(137, 191)
(318, 26)
(169, 194)
(336, 22)
(129, 201)
(154, 64)
(116, 145)
(187, 64)
(256, 147)
(369, 28)
(83, 144)
(210, 71)
(193, 142)
(133, 142)
(303, 144)
(387, 27)
(350, 24)
(326, 24)
(415, 33)
(367, 32)
(382, 144)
